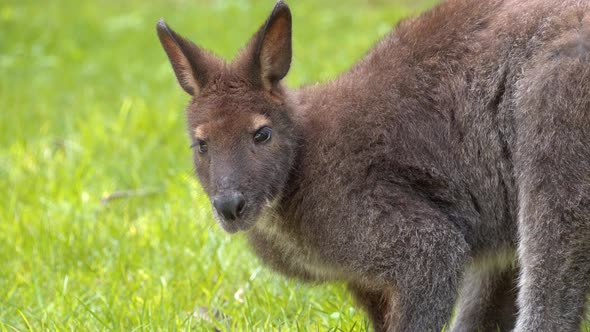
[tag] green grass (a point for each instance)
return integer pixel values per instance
(90, 107)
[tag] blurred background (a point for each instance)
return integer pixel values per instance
(102, 224)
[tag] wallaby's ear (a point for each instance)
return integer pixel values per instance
(270, 49)
(193, 66)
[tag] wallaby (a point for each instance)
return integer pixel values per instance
(450, 165)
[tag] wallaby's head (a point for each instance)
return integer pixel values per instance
(239, 119)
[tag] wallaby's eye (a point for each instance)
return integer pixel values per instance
(262, 135)
(200, 145)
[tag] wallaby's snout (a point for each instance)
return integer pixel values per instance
(230, 206)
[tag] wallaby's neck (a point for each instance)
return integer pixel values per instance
(300, 116)
(309, 124)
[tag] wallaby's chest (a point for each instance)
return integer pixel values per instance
(286, 253)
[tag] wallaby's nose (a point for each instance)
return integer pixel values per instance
(230, 206)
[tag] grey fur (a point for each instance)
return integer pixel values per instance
(461, 138)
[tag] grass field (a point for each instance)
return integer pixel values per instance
(102, 225)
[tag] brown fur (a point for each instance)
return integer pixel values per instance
(459, 139)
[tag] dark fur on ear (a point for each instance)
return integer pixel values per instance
(267, 57)
(192, 65)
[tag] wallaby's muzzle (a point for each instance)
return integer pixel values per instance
(230, 206)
